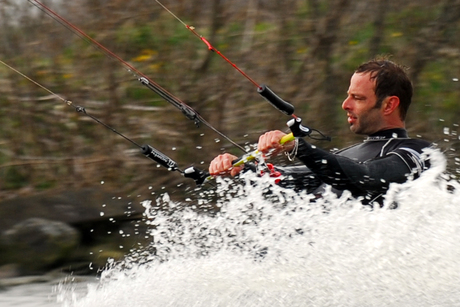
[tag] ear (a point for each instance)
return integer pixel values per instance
(390, 105)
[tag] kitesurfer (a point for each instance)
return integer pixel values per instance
(377, 102)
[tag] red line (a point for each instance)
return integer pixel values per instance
(212, 48)
(107, 51)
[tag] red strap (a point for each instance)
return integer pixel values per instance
(273, 172)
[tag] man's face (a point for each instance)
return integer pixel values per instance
(363, 116)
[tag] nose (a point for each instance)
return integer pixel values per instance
(346, 105)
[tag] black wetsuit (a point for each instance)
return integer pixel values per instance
(365, 169)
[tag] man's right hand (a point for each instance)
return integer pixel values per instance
(222, 165)
(269, 143)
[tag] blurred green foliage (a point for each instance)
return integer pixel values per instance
(305, 51)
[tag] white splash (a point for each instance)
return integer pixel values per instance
(271, 247)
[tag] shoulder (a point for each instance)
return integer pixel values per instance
(411, 152)
(409, 144)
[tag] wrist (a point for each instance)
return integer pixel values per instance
(291, 154)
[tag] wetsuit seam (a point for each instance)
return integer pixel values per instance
(384, 146)
(405, 162)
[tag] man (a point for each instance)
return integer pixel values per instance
(377, 102)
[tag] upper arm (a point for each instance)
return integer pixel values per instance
(412, 158)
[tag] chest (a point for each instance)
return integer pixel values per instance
(369, 150)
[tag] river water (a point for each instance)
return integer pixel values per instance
(270, 247)
(29, 295)
(39, 291)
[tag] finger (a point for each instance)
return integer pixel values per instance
(215, 165)
(221, 164)
(212, 167)
(224, 164)
(235, 170)
(262, 144)
(269, 141)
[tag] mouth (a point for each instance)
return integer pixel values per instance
(351, 119)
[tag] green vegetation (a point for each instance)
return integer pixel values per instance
(305, 53)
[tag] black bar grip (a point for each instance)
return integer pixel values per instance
(198, 175)
(275, 100)
(297, 129)
(159, 157)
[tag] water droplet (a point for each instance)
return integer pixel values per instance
(101, 213)
(102, 182)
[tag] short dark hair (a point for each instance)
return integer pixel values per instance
(390, 80)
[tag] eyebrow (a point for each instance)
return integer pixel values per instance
(356, 95)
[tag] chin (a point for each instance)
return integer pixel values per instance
(357, 130)
(354, 129)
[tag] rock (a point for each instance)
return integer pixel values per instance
(100, 216)
(37, 244)
(70, 206)
(9, 271)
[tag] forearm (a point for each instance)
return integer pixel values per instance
(299, 178)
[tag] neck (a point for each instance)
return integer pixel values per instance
(392, 133)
